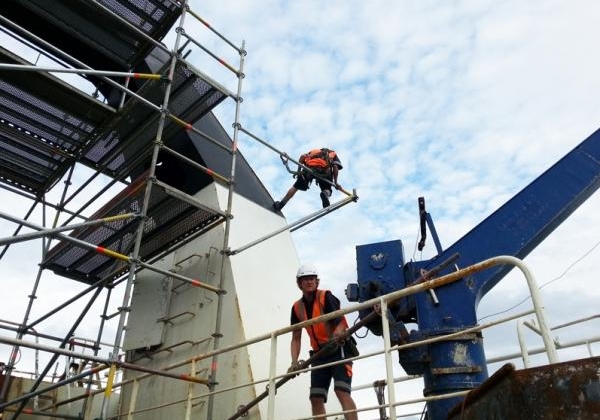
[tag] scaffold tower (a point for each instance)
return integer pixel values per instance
(99, 95)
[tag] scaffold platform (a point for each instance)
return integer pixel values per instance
(168, 221)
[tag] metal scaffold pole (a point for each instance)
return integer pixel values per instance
(32, 297)
(224, 254)
(140, 230)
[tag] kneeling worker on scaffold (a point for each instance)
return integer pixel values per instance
(323, 162)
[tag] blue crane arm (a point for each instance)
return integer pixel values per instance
(516, 228)
(523, 222)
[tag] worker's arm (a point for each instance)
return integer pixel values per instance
(295, 350)
(295, 345)
(335, 172)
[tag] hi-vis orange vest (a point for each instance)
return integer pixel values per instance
(322, 332)
(318, 159)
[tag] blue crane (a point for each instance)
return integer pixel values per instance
(516, 228)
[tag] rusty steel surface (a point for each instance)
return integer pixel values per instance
(562, 391)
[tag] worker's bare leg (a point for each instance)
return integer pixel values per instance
(347, 404)
(287, 197)
(318, 408)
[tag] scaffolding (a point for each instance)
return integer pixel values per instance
(147, 128)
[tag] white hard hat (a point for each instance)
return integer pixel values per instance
(306, 270)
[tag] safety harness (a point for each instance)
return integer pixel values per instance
(318, 160)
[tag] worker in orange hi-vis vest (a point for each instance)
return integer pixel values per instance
(316, 302)
(326, 164)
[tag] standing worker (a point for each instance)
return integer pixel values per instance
(316, 302)
(323, 162)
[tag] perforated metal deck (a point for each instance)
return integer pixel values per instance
(101, 33)
(47, 125)
(121, 148)
(44, 122)
(169, 221)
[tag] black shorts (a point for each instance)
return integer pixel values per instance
(305, 178)
(320, 379)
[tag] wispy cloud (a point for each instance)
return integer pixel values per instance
(464, 102)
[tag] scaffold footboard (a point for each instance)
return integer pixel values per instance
(169, 221)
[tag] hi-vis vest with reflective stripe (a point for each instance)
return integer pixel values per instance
(319, 333)
(319, 159)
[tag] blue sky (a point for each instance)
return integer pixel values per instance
(463, 102)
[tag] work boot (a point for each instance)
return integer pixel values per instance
(278, 205)
(325, 197)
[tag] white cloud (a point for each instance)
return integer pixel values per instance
(464, 102)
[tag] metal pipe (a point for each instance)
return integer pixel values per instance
(122, 257)
(187, 198)
(299, 223)
(55, 355)
(69, 301)
(522, 345)
(366, 355)
(272, 373)
(144, 211)
(50, 232)
(35, 333)
(577, 321)
(45, 414)
(26, 397)
(40, 199)
(25, 67)
(540, 350)
(101, 360)
(264, 143)
(224, 257)
(208, 26)
(190, 127)
(214, 56)
(323, 212)
(196, 164)
(537, 305)
(17, 230)
(95, 197)
(32, 296)
(385, 323)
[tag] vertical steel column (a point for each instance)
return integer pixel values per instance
(143, 212)
(217, 334)
(389, 370)
(133, 398)
(190, 394)
(32, 296)
(103, 318)
(272, 372)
